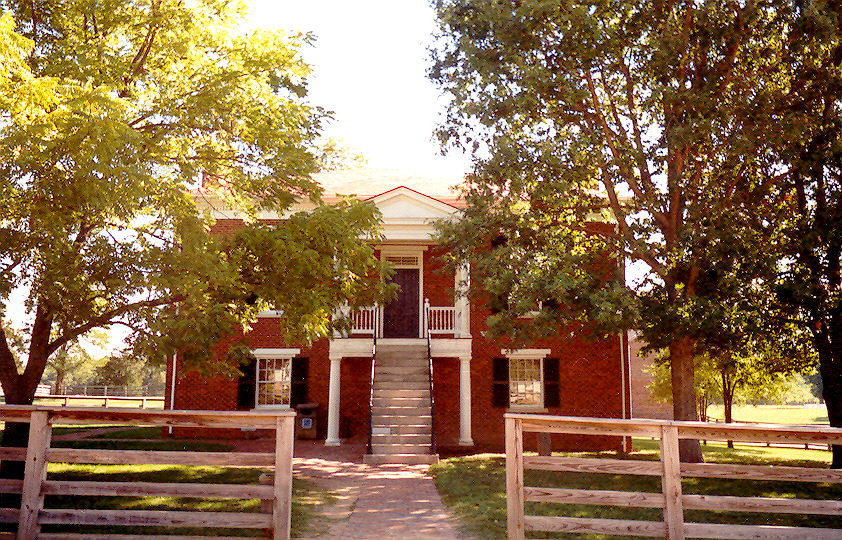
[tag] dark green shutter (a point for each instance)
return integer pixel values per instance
(499, 382)
(246, 384)
(300, 375)
(552, 397)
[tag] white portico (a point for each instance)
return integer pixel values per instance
(441, 331)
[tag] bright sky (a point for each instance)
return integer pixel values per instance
(369, 67)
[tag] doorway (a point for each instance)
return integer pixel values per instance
(401, 316)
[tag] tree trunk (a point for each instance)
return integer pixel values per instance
(15, 435)
(682, 373)
(830, 368)
(728, 402)
(59, 385)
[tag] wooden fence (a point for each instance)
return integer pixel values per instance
(35, 485)
(671, 500)
(123, 401)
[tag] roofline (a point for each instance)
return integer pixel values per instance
(414, 191)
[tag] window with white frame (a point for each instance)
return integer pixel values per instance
(526, 384)
(526, 377)
(273, 377)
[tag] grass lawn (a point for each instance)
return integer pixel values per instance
(774, 414)
(474, 488)
(305, 498)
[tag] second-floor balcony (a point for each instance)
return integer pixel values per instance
(431, 321)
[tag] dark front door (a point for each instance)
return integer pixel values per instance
(400, 318)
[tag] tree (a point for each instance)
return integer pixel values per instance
(809, 288)
(732, 379)
(69, 365)
(115, 117)
(657, 117)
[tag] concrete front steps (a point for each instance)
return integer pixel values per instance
(401, 417)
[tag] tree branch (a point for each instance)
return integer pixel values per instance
(106, 319)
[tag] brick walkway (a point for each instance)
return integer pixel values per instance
(385, 501)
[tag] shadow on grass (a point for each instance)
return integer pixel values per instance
(474, 488)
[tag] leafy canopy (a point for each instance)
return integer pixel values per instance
(111, 112)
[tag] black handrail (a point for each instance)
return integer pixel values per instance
(376, 325)
(430, 361)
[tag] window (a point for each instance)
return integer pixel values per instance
(525, 379)
(274, 381)
(526, 385)
(274, 378)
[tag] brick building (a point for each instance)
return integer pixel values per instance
(474, 380)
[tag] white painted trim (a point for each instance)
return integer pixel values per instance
(465, 438)
(407, 251)
(271, 314)
(514, 354)
(333, 397)
(275, 354)
(350, 348)
(451, 347)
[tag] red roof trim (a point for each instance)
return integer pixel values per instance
(414, 191)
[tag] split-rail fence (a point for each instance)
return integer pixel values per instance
(671, 500)
(35, 485)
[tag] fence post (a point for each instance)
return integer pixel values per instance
(671, 483)
(514, 479)
(282, 503)
(35, 472)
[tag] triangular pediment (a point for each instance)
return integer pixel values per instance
(403, 202)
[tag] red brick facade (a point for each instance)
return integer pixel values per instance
(594, 377)
(591, 380)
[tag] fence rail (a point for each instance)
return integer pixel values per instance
(141, 401)
(38, 454)
(671, 500)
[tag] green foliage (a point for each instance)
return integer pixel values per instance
(71, 365)
(755, 380)
(113, 114)
(642, 129)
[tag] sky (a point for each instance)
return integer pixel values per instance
(369, 66)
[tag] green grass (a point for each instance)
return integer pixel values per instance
(774, 414)
(305, 499)
(148, 432)
(474, 488)
(306, 496)
(117, 444)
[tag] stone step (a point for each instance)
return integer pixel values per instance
(402, 430)
(378, 401)
(412, 371)
(384, 392)
(401, 448)
(405, 459)
(400, 411)
(396, 420)
(403, 362)
(405, 438)
(400, 382)
(402, 345)
(398, 378)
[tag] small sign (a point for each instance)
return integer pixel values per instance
(306, 423)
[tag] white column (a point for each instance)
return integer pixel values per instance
(465, 402)
(333, 403)
(460, 301)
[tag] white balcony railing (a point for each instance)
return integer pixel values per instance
(435, 319)
(364, 320)
(441, 319)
